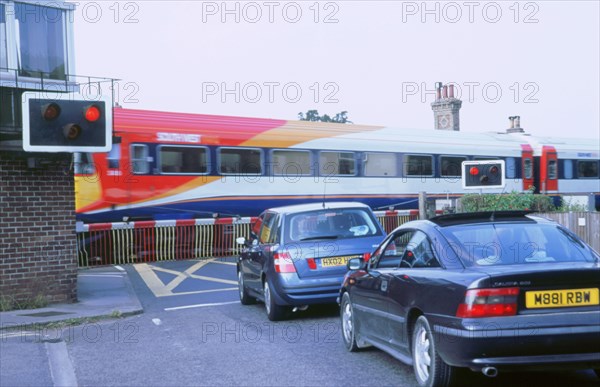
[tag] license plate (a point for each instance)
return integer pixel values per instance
(562, 298)
(337, 261)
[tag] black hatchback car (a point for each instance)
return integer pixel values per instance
(487, 291)
(299, 253)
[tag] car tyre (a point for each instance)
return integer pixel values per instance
(245, 298)
(274, 312)
(348, 325)
(430, 370)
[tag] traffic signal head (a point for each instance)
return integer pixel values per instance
(483, 174)
(69, 124)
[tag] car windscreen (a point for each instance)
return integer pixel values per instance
(516, 243)
(339, 223)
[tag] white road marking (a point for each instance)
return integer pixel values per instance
(119, 268)
(156, 321)
(201, 305)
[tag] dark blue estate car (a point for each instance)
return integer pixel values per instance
(491, 292)
(298, 254)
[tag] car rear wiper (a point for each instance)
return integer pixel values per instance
(320, 237)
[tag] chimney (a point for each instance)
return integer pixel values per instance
(446, 108)
(515, 125)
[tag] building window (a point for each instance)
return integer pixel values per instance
(139, 159)
(183, 159)
(380, 164)
(240, 161)
(337, 163)
(291, 163)
(41, 41)
(451, 165)
(587, 169)
(3, 46)
(418, 165)
(10, 108)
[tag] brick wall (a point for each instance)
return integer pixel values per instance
(37, 228)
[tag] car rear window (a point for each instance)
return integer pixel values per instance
(516, 243)
(344, 223)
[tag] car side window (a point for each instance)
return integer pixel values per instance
(255, 230)
(265, 232)
(390, 254)
(418, 253)
(274, 235)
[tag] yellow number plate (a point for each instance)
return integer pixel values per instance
(337, 261)
(562, 298)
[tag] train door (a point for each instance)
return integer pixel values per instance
(548, 169)
(527, 168)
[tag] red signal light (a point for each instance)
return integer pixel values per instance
(92, 113)
(474, 171)
(50, 111)
(494, 170)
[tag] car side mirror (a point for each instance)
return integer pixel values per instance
(355, 264)
(240, 241)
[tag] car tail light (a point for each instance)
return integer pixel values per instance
(489, 303)
(284, 263)
(312, 264)
(366, 257)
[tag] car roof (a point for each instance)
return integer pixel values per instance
(486, 217)
(316, 206)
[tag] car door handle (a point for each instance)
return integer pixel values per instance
(384, 285)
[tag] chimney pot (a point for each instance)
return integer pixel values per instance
(438, 91)
(517, 121)
(445, 91)
(451, 89)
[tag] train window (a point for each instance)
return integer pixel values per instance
(337, 163)
(568, 169)
(552, 169)
(240, 161)
(511, 168)
(380, 164)
(84, 164)
(291, 163)
(528, 168)
(418, 165)
(587, 168)
(139, 159)
(183, 159)
(451, 165)
(114, 156)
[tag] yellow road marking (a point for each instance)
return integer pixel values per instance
(159, 289)
(152, 281)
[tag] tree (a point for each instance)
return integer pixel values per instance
(313, 115)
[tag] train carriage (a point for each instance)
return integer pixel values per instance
(174, 165)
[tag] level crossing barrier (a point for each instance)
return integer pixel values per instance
(163, 240)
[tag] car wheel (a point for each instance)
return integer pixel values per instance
(430, 370)
(245, 299)
(348, 326)
(274, 312)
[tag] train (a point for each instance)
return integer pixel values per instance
(166, 165)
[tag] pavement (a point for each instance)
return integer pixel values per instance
(102, 292)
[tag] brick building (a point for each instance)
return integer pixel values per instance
(38, 256)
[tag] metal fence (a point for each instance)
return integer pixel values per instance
(151, 241)
(585, 224)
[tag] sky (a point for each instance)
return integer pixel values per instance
(377, 60)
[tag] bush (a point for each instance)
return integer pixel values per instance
(513, 201)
